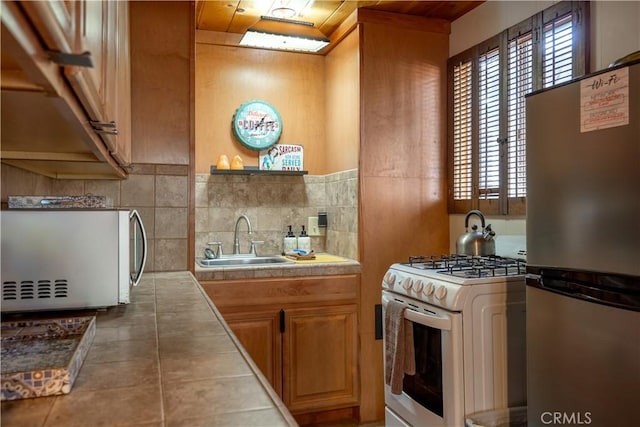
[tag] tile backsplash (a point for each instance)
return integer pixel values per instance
(161, 194)
(158, 192)
(272, 203)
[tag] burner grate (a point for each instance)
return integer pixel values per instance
(468, 266)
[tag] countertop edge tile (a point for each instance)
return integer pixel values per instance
(349, 266)
(126, 342)
(256, 371)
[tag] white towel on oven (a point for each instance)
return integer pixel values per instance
(398, 346)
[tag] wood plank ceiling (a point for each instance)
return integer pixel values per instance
(235, 16)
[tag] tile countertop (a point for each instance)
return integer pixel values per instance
(166, 359)
(302, 268)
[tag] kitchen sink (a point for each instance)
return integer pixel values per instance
(243, 261)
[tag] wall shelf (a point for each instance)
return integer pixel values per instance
(253, 170)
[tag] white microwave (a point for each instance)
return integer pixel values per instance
(61, 259)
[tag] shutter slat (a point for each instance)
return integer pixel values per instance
(462, 162)
(489, 126)
(557, 62)
(520, 82)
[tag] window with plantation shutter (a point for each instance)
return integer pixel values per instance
(487, 117)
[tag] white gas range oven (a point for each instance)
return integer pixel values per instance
(468, 317)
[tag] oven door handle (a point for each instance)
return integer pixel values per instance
(430, 320)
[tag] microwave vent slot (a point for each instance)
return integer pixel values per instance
(29, 289)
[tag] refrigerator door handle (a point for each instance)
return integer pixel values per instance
(136, 275)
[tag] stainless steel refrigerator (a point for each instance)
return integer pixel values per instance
(583, 251)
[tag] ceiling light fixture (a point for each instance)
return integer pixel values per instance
(283, 13)
(284, 34)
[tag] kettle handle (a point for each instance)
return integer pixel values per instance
(473, 212)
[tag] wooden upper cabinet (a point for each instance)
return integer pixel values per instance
(46, 128)
(90, 39)
(118, 101)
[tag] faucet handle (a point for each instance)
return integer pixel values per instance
(252, 251)
(219, 245)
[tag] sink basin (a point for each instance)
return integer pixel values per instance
(243, 261)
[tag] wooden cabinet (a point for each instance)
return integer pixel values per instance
(104, 89)
(320, 357)
(301, 332)
(69, 88)
(95, 31)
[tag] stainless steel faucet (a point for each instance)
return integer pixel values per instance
(236, 240)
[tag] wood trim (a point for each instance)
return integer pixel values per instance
(407, 22)
(236, 295)
(16, 80)
(343, 30)
(49, 170)
(86, 92)
(66, 157)
(334, 416)
(217, 38)
(191, 173)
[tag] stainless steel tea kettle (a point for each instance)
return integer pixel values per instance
(476, 243)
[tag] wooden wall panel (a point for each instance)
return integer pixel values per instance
(402, 202)
(343, 106)
(228, 76)
(161, 37)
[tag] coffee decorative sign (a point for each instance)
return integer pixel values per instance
(257, 125)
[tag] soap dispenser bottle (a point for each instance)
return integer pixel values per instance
(290, 241)
(304, 241)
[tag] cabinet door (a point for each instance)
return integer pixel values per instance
(56, 23)
(259, 333)
(93, 30)
(104, 89)
(71, 29)
(100, 28)
(118, 85)
(320, 358)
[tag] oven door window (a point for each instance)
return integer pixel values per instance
(425, 387)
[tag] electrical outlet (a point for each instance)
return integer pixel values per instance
(312, 227)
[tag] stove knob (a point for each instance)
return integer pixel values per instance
(407, 283)
(441, 292)
(428, 289)
(417, 286)
(389, 280)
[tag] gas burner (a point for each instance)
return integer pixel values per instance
(439, 262)
(467, 266)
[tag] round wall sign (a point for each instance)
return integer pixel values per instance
(257, 125)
